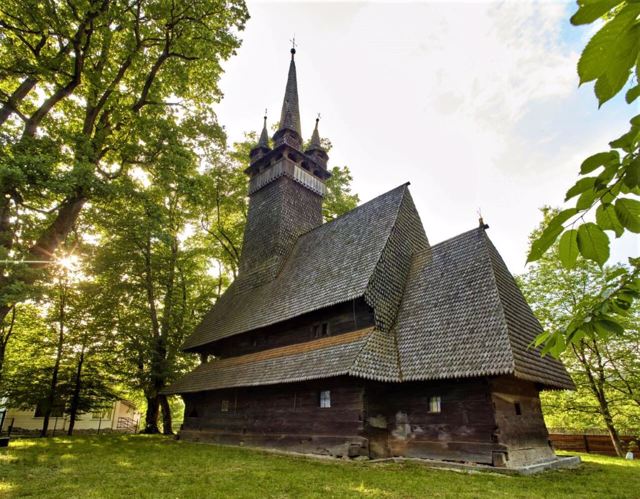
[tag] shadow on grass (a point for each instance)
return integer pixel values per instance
(158, 466)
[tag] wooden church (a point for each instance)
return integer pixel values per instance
(357, 337)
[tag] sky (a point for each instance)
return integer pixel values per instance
(476, 104)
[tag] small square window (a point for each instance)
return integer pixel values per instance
(435, 404)
(518, 408)
(325, 399)
(224, 407)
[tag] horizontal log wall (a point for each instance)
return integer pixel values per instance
(520, 421)
(286, 416)
(342, 318)
(596, 444)
(462, 431)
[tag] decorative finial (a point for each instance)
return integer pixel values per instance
(317, 120)
(293, 45)
(481, 223)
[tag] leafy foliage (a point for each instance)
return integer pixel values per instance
(602, 355)
(609, 182)
(88, 90)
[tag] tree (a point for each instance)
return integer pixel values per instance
(558, 294)
(609, 181)
(171, 249)
(83, 83)
(58, 361)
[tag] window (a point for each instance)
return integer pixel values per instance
(320, 330)
(325, 399)
(518, 408)
(435, 404)
(224, 407)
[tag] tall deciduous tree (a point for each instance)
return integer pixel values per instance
(604, 366)
(83, 83)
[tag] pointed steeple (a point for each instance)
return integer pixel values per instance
(315, 138)
(264, 136)
(290, 116)
(262, 147)
(316, 152)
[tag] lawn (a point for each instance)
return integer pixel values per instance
(146, 466)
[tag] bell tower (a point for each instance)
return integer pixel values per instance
(286, 188)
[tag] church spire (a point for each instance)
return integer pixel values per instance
(315, 151)
(315, 138)
(290, 116)
(262, 147)
(264, 136)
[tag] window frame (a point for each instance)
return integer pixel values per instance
(224, 405)
(324, 399)
(435, 402)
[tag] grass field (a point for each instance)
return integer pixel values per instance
(142, 466)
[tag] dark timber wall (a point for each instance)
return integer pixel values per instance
(285, 416)
(342, 318)
(478, 421)
(462, 431)
(520, 421)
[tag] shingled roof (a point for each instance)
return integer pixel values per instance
(448, 311)
(332, 264)
(463, 315)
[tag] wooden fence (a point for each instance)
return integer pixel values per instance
(596, 444)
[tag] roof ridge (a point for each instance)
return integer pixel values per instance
(503, 314)
(449, 239)
(357, 208)
(395, 219)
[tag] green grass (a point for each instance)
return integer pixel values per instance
(144, 466)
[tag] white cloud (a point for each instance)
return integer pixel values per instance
(475, 103)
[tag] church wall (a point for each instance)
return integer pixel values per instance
(286, 416)
(520, 421)
(399, 421)
(342, 318)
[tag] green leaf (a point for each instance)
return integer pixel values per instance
(544, 242)
(605, 327)
(628, 213)
(626, 141)
(561, 217)
(589, 11)
(611, 53)
(615, 274)
(607, 220)
(586, 199)
(593, 243)
(580, 186)
(632, 94)
(597, 160)
(632, 174)
(568, 248)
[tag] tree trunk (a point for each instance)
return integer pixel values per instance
(53, 387)
(597, 389)
(153, 408)
(75, 400)
(4, 338)
(167, 422)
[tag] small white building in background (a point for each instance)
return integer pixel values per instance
(122, 416)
